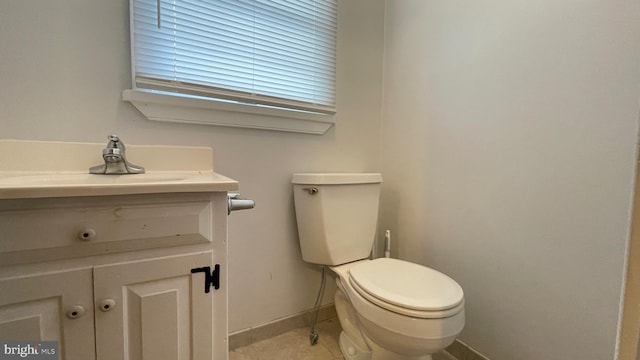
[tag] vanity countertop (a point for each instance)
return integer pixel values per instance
(46, 169)
(15, 185)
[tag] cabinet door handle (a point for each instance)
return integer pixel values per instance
(107, 305)
(86, 234)
(75, 312)
(210, 278)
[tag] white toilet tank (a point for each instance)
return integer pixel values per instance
(337, 215)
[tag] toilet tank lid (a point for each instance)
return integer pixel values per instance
(336, 178)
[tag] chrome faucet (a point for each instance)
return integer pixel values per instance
(115, 162)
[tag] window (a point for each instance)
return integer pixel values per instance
(271, 55)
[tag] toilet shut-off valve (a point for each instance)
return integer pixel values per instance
(235, 201)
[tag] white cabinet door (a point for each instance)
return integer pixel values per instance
(56, 306)
(154, 309)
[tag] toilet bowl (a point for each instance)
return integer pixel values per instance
(389, 309)
(396, 320)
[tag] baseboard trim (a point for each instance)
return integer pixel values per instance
(462, 351)
(280, 326)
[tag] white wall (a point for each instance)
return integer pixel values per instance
(63, 65)
(509, 133)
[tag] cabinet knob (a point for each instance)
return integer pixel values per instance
(87, 234)
(75, 312)
(107, 304)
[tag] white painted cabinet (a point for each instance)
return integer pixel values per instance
(111, 278)
(54, 306)
(153, 309)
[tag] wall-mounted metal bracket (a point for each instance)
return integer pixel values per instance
(235, 201)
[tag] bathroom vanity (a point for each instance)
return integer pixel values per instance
(115, 266)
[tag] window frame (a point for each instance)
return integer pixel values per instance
(158, 105)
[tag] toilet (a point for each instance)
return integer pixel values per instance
(389, 309)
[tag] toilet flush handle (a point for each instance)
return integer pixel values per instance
(311, 190)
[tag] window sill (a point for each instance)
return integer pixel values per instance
(193, 110)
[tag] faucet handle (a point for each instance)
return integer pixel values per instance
(114, 143)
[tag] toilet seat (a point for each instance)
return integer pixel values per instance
(407, 288)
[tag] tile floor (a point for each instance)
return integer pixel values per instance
(294, 345)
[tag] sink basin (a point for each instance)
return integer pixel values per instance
(16, 185)
(86, 179)
(26, 171)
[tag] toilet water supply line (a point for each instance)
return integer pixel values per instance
(313, 335)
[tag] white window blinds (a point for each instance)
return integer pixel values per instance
(267, 52)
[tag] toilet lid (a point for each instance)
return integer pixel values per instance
(407, 285)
